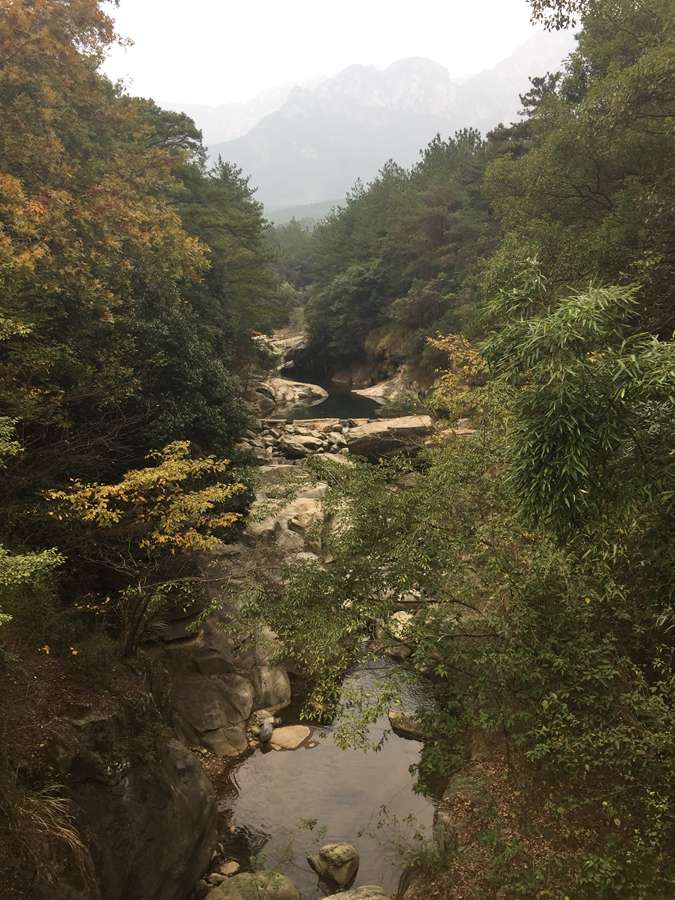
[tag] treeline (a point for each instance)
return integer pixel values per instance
(544, 543)
(584, 184)
(132, 283)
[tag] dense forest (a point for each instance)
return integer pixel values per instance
(583, 184)
(546, 541)
(525, 279)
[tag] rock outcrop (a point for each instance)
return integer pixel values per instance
(387, 437)
(216, 679)
(255, 886)
(287, 394)
(395, 388)
(405, 724)
(294, 440)
(142, 802)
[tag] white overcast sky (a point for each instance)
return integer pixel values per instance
(215, 51)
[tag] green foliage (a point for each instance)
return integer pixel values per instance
(25, 585)
(594, 410)
(132, 281)
(398, 261)
(591, 198)
(563, 647)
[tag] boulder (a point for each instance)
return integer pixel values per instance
(290, 737)
(387, 391)
(137, 796)
(290, 542)
(303, 514)
(255, 886)
(366, 892)
(212, 711)
(264, 530)
(297, 446)
(271, 686)
(287, 394)
(265, 731)
(405, 725)
(387, 437)
(315, 492)
(337, 438)
(336, 864)
(338, 458)
(322, 425)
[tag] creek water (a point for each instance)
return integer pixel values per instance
(281, 806)
(341, 403)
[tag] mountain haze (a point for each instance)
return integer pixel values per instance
(325, 137)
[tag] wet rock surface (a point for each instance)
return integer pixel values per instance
(366, 892)
(255, 886)
(336, 864)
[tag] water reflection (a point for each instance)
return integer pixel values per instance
(340, 403)
(284, 805)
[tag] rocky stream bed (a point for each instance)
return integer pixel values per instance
(290, 788)
(157, 829)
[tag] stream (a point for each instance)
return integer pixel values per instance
(281, 806)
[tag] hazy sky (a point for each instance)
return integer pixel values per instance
(213, 51)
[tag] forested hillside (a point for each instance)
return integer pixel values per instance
(583, 184)
(132, 280)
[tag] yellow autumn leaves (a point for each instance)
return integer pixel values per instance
(163, 506)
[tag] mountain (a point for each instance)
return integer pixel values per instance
(327, 135)
(226, 121)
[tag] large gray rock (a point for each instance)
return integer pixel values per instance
(387, 437)
(303, 514)
(322, 425)
(405, 724)
(297, 446)
(336, 864)
(212, 711)
(255, 886)
(272, 687)
(288, 394)
(366, 892)
(142, 802)
(393, 388)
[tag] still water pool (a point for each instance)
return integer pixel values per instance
(341, 403)
(281, 806)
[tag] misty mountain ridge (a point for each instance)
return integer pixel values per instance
(326, 135)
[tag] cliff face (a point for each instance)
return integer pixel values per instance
(144, 808)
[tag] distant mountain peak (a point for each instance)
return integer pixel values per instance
(328, 134)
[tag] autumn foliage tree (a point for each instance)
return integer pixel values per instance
(142, 534)
(131, 277)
